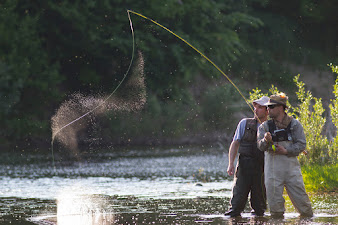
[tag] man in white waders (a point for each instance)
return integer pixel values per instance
(283, 139)
(249, 176)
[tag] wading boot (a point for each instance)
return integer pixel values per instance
(277, 215)
(254, 213)
(232, 213)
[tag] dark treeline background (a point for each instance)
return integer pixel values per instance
(51, 49)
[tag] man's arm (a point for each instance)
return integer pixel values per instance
(232, 155)
(298, 139)
(263, 137)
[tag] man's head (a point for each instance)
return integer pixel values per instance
(277, 104)
(260, 109)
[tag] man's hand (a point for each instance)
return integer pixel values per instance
(231, 169)
(232, 155)
(280, 150)
(268, 137)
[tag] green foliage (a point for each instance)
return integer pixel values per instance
(320, 177)
(215, 35)
(264, 61)
(185, 116)
(333, 148)
(310, 114)
(257, 93)
(26, 73)
(218, 105)
(54, 47)
(334, 68)
(318, 22)
(50, 49)
(173, 119)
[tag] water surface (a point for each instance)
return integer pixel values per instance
(131, 186)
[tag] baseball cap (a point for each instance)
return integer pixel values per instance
(261, 101)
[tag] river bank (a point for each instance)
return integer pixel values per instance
(321, 178)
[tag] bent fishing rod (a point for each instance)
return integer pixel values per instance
(198, 51)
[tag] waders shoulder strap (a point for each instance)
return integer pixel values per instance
(272, 126)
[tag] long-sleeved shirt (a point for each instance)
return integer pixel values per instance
(294, 147)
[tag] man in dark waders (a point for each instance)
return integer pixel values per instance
(249, 176)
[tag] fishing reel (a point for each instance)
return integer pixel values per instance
(281, 135)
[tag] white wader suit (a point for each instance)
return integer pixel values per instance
(284, 171)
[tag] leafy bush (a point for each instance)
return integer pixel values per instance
(333, 148)
(310, 114)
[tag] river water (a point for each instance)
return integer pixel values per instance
(131, 186)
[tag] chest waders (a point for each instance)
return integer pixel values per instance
(283, 172)
(249, 176)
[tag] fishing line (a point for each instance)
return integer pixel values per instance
(105, 100)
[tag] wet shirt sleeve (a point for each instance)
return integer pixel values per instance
(261, 143)
(298, 143)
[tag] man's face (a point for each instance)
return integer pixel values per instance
(260, 111)
(274, 110)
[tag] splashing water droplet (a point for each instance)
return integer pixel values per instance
(65, 123)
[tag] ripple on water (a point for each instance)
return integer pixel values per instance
(137, 189)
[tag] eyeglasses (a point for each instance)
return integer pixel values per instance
(272, 106)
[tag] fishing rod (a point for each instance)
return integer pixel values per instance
(198, 51)
(190, 45)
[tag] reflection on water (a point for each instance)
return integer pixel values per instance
(171, 187)
(132, 210)
(76, 208)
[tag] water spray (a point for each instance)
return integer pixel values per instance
(54, 134)
(103, 102)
